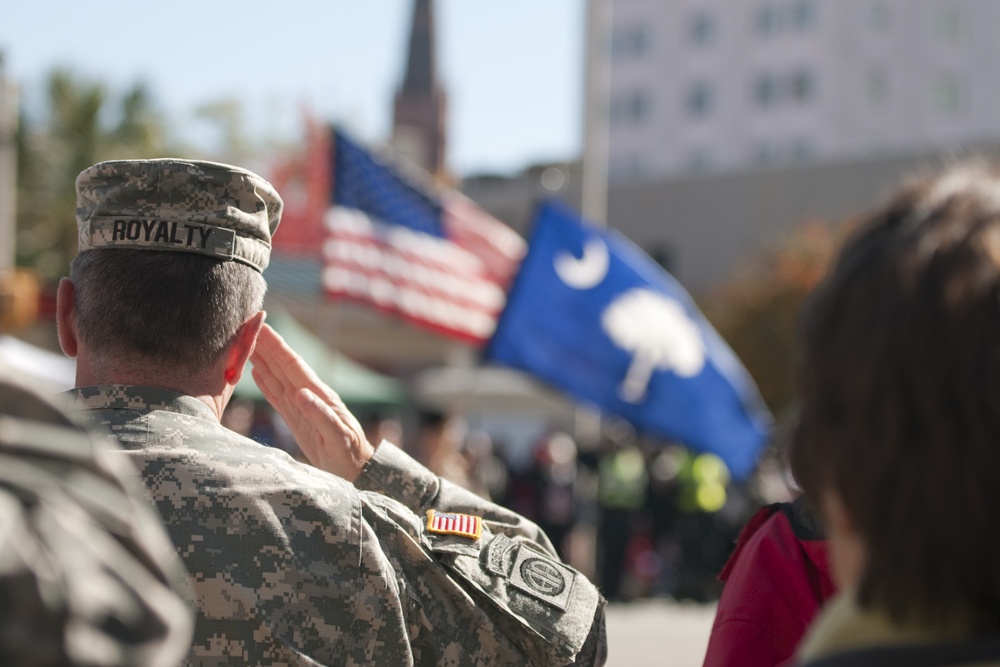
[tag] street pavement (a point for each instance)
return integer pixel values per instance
(658, 632)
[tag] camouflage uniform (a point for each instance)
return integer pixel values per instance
(291, 565)
(87, 573)
(294, 566)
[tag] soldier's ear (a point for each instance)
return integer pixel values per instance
(66, 317)
(242, 347)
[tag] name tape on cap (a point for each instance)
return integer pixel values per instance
(160, 234)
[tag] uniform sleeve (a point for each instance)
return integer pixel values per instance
(515, 595)
(394, 473)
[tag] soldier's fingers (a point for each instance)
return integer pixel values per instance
(284, 363)
(275, 393)
(335, 446)
(273, 353)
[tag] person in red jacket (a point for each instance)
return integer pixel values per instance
(776, 580)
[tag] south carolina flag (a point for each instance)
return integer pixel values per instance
(598, 318)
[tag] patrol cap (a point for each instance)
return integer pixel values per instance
(169, 204)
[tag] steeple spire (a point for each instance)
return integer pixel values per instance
(418, 131)
(420, 64)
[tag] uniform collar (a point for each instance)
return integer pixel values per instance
(138, 398)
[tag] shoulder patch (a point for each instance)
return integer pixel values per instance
(446, 523)
(498, 556)
(542, 577)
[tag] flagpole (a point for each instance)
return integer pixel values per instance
(594, 163)
(597, 91)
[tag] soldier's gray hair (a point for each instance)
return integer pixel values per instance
(178, 310)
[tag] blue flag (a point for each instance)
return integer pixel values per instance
(595, 316)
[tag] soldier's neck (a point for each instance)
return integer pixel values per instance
(208, 387)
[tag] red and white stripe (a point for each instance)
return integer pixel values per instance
(464, 524)
(427, 280)
(499, 247)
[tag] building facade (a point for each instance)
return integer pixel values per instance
(708, 86)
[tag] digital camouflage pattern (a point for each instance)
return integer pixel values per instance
(168, 204)
(294, 566)
(88, 576)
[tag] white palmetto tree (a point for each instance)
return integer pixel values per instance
(658, 333)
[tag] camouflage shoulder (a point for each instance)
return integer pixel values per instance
(72, 522)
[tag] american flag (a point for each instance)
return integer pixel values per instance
(439, 262)
(454, 524)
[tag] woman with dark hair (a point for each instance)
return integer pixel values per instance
(898, 437)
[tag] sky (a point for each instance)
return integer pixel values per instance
(512, 70)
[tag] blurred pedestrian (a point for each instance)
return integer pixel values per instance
(621, 495)
(555, 465)
(487, 467)
(440, 440)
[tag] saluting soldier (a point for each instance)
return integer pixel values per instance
(363, 557)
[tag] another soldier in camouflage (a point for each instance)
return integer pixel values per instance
(366, 558)
(87, 573)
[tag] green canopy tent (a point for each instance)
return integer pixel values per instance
(359, 387)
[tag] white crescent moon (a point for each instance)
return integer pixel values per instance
(586, 271)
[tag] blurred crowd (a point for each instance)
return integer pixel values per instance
(643, 518)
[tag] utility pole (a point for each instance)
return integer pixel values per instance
(18, 289)
(594, 167)
(8, 170)
(597, 92)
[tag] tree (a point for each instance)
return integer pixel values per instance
(80, 123)
(658, 333)
(756, 310)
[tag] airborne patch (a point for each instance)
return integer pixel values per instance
(543, 578)
(498, 555)
(464, 525)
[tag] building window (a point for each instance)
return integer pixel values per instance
(802, 86)
(616, 110)
(638, 107)
(768, 20)
(629, 168)
(700, 99)
(630, 109)
(765, 90)
(703, 29)
(802, 150)
(947, 94)
(699, 161)
(765, 153)
(878, 86)
(631, 42)
(804, 14)
(879, 16)
(948, 23)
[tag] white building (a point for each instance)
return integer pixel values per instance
(705, 86)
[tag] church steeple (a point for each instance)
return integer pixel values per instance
(418, 127)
